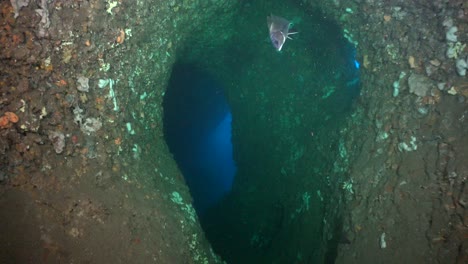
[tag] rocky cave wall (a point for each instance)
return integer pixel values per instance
(86, 175)
(406, 192)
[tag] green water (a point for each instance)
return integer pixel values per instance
(287, 108)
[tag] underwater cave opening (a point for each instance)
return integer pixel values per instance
(288, 109)
(197, 129)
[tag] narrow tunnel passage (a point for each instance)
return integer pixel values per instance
(287, 110)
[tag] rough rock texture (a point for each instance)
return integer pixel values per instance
(107, 196)
(415, 198)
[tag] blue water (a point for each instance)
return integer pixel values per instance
(197, 126)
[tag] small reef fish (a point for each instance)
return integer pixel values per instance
(279, 30)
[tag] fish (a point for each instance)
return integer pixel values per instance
(279, 30)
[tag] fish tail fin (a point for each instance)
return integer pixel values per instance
(291, 33)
